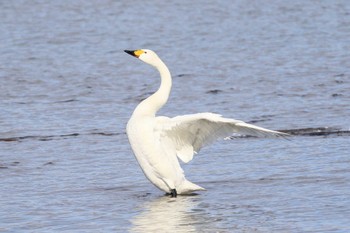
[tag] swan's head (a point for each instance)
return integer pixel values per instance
(145, 55)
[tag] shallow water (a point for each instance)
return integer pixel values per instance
(67, 91)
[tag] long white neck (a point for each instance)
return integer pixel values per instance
(151, 105)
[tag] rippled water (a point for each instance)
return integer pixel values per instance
(67, 90)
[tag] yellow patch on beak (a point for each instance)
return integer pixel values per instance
(138, 52)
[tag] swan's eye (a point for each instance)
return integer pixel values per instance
(145, 51)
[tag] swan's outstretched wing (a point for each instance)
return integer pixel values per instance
(189, 133)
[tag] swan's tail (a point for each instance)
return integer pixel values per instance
(188, 187)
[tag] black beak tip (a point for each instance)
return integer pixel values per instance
(129, 52)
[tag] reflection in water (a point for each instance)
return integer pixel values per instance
(166, 214)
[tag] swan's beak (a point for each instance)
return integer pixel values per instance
(135, 53)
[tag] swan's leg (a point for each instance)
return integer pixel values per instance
(173, 193)
(171, 185)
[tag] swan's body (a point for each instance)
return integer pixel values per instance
(158, 142)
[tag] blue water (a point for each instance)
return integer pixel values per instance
(67, 90)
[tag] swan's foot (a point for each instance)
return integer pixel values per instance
(173, 193)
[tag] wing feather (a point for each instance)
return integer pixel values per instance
(190, 133)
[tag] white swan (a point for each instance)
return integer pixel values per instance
(158, 141)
